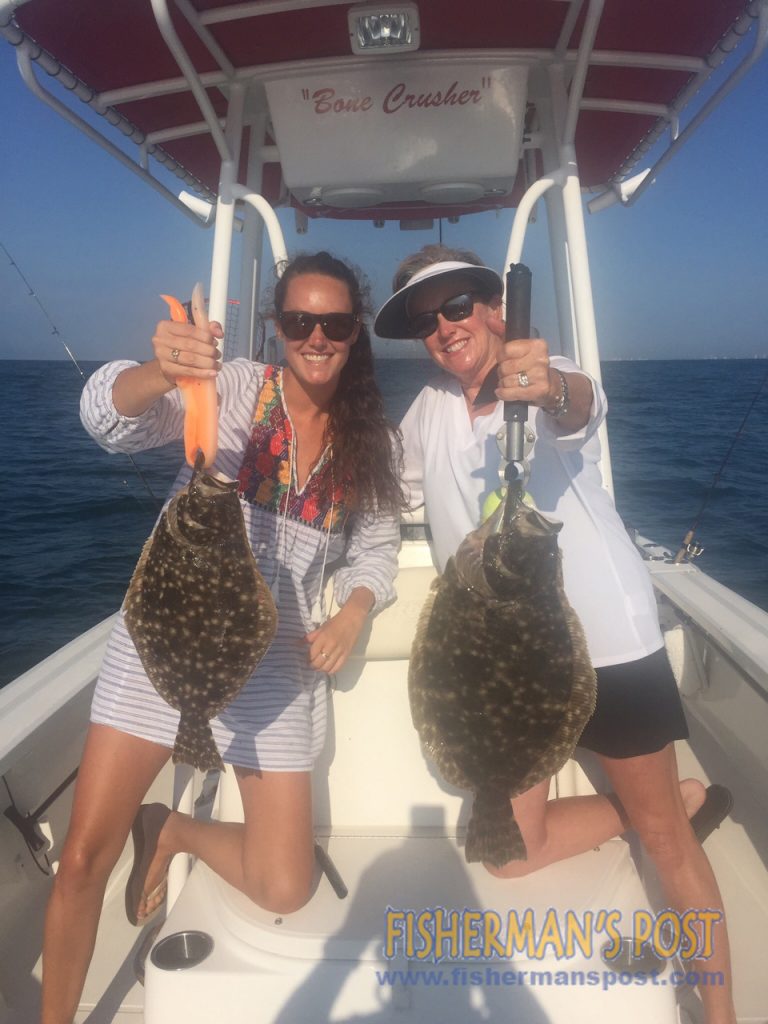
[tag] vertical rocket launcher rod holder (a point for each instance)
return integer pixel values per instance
(518, 325)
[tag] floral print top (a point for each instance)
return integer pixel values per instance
(266, 476)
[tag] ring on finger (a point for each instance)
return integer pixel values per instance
(522, 379)
(175, 353)
(323, 655)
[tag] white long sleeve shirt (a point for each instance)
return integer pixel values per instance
(452, 466)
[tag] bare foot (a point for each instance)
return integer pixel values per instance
(694, 794)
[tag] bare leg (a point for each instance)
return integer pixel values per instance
(115, 772)
(648, 789)
(269, 858)
(554, 830)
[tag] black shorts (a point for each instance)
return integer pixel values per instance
(638, 709)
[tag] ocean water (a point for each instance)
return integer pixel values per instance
(74, 518)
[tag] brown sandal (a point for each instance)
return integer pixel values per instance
(713, 812)
(145, 836)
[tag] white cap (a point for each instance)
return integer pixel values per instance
(392, 320)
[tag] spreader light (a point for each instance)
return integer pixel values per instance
(384, 29)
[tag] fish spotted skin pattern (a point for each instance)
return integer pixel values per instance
(199, 611)
(500, 681)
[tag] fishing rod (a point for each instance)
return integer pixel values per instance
(688, 548)
(518, 325)
(57, 333)
(44, 311)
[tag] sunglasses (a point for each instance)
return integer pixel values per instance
(457, 308)
(297, 326)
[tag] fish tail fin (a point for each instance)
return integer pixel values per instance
(493, 835)
(194, 743)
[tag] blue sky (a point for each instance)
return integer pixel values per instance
(682, 274)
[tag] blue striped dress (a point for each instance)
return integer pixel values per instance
(277, 721)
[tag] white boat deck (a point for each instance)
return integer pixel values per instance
(413, 873)
(394, 831)
(321, 964)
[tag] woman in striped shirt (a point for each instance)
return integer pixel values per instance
(318, 470)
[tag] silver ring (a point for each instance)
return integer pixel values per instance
(323, 654)
(175, 353)
(522, 379)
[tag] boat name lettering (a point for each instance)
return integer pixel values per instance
(327, 101)
(397, 98)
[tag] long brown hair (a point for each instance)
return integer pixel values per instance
(367, 448)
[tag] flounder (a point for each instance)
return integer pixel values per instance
(199, 611)
(197, 607)
(500, 681)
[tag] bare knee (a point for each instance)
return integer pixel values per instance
(665, 843)
(278, 891)
(512, 869)
(84, 864)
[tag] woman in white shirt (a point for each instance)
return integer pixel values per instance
(453, 303)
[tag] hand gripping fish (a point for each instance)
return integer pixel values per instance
(500, 680)
(197, 607)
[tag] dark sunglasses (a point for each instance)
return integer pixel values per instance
(298, 326)
(454, 309)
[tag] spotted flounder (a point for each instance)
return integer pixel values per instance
(199, 611)
(500, 682)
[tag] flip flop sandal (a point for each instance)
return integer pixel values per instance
(713, 812)
(145, 838)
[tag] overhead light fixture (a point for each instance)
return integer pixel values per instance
(384, 28)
